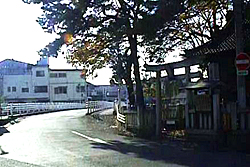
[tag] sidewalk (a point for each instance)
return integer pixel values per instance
(183, 141)
(105, 112)
(106, 116)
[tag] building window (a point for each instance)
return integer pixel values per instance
(62, 75)
(56, 75)
(13, 89)
(41, 89)
(25, 89)
(80, 88)
(9, 89)
(60, 90)
(40, 73)
(53, 75)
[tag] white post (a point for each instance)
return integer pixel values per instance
(192, 120)
(209, 122)
(200, 120)
(242, 121)
(205, 121)
(187, 73)
(11, 109)
(186, 116)
(216, 111)
(233, 110)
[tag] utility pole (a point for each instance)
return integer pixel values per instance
(241, 81)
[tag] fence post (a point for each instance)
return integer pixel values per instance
(11, 110)
(93, 106)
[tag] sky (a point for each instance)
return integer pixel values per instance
(21, 38)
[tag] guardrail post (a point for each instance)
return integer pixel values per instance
(11, 110)
(92, 107)
(87, 105)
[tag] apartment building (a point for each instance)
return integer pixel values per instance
(67, 85)
(24, 82)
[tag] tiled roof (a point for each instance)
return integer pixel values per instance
(15, 61)
(225, 41)
(214, 47)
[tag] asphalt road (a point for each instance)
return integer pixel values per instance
(69, 138)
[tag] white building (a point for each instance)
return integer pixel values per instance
(23, 82)
(67, 85)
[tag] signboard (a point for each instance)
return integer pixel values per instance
(202, 92)
(242, 62)
(242, 72)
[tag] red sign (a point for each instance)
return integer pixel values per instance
(242, 61)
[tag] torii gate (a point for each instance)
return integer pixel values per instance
(169, 67)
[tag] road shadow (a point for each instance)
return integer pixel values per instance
(4, 121)
(2, 152)
(3, 130)
(174, 153)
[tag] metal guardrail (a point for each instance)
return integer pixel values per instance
(94, 106)
(22, 109)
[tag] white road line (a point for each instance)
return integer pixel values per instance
(90, 138)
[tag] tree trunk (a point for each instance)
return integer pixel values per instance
(129, 84)
(139, 92)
